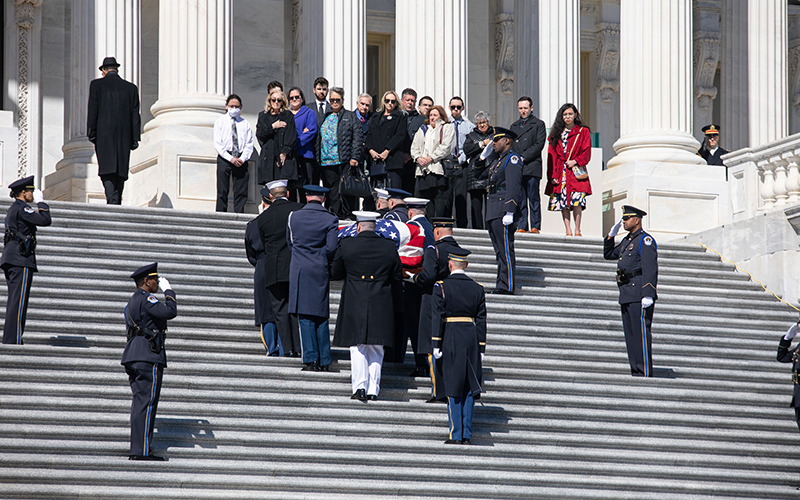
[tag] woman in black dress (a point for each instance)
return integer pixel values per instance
(277, 136)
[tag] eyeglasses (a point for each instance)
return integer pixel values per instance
(294, 98)
(276, 100)
(626, 217)
(333, 99)
(452, 108)
(390, 101)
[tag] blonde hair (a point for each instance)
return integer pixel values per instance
(284, 103)
(383, 104)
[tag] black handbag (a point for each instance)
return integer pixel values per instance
(377, 169)
(354, 182)
(451, 168)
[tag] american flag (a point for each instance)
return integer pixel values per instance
(408, 238)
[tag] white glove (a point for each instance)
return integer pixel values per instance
(647, 302)
(163, 283)
(615, 229)
(437, 353)
(508, 218)
(481, 357)
(791, 333)
(38, 197)
(409, 278)
(487, 151)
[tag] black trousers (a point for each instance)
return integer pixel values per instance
(308, 170)
(413, 302)
(113, 185)
(394, 179)
(241, 180)
(145, 379)
(531, 203)
(636, 323)
(288, 326)
(439, 204)
(477, 197)
(19, 281)
(408, 178)
(458, 191)
(503, 242)
(341, 206)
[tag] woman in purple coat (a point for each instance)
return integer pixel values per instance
(305, 121)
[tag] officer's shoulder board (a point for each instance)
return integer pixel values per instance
(152, 299)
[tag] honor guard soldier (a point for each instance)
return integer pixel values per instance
(19, 259)
(459, 342)
(710, 150)
(397, 205)
(502, 205)
(793, 356)
(382, 203)
(264, 317)
(434, 268)
(145, 357)
(637, 279)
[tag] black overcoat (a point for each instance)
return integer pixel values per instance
(388, 132)
(254, 248)
(272, 228)
(531, 137)
(369, 264)
(273, 142)
(113, 123)
(22, 220)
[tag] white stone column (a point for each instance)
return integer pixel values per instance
(705, 58)
(767, 57)
(307, 39)
(116, 26)
(656, 83)
(559, 56)
(344, 47)
(734, 107)
(526, 59)
(194, 62)
(431, 48)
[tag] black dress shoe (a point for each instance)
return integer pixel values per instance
(149, 458)
(466, 441)
(452, 441)
(294, 354)
(325, 368)
(419, 372)
(372, 397)
(434, 399)
(310, 367)
(360, 395)
(500, 291)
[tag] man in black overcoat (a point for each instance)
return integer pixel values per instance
(272, 228)
(531, 136)
(19, 259)
(370, 265)
(264, 317)
(113, 125)
(459, 341)
(637, 279)
(145, 357)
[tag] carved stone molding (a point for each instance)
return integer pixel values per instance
(705, 59)
(24, 16)
(606, 50)
(589, 8)
(296, 11)
(794, 74)
(504, 50)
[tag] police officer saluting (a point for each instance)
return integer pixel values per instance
(637, 278)
(19, 260)
(502, 204)
(144, 357)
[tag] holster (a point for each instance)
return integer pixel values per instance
(155, 339)
(27, 245)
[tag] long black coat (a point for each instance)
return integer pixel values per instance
(273, 142)
(369, 264)
(113, 123)
(254, 248)
(22, 220)
(272, 228)
(529, 144)
(473, 150)
(388, 132)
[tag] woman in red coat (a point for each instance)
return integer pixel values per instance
(568, 154)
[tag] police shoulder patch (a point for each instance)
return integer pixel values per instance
(515, 159)
(29, 210)
(648, 240)
(152, 299)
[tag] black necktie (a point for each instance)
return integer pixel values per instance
(322, 108)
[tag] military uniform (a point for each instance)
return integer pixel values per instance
(637, 277)
(459, 331)
(20, 237)
(713, 158)
(145, 359)
(793, 356)
(504, 195)
(400, 211)
(264, 317)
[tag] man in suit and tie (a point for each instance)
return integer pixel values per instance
(321, 104)
(113, 125)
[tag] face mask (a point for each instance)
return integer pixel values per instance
(234, 112)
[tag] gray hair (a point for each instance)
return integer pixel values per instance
(481, 115)
(364, 94)
(338, 90)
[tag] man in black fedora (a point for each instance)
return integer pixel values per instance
(114, 127)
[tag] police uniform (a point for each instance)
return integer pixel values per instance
(504, 195)
(637, 278)
(264, 317)
(793, 356)
(145, 358)
(714, 158)
(459, 339)
(19, 259)
(400, 211)
(434, 268)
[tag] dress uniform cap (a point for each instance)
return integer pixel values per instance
(363, 216)
(19, 185)
(148, 270)
(631, 211)
(500, 132)
(316, 190)
(265, 193)
(109, 62)
(443, 222)
(712, 129)
(382, 193)
(397, 193)
(416, 202)
(458, 254)
(277, 184)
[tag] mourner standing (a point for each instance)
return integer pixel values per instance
(502, 205)
(312, 235)
(264, 317)
(19, 257)
(793, 356)
(459, 342)
(145, 356)
(531, 136)
(233, 141)
(370, 265)
(637, 279)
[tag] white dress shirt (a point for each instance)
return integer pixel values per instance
(223, 137)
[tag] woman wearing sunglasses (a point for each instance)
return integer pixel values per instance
(277, 136)
(387, 132)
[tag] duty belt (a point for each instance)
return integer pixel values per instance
(494, 187)
(460, 319)
(624, 278)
